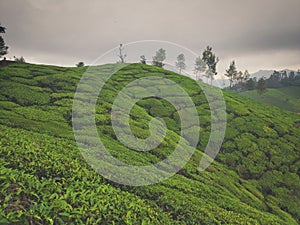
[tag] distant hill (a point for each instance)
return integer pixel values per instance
(45, 180)
(262, 73)
(266, 73)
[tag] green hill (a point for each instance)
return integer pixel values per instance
(285, 98)
(45, 180)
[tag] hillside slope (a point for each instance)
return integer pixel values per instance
(287, 98)
(44, 178)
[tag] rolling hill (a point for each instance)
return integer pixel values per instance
(46, 180)
(287, 98)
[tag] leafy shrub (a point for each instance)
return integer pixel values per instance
(24, 95)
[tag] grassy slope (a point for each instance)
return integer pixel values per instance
(45, 179)
(285, 98)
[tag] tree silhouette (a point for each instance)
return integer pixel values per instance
(143, 59)
(121, 55)
(200, 67)
(3, 47)
(80, 64)
(261, 86)
(159, 57)
(231, 73)
(211, 61)
(2, 29)
(180, 64)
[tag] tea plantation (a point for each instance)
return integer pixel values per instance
(44, 179)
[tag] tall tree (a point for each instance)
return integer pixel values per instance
(244, 78)
(246, 75)
(239, 77)
(200, 67)
(209, 74)
(180, 64)
(261, 86)
(211, 61)
(159, 57)
(3, 47)
(231, 73)
(121, 55)
(291, 75)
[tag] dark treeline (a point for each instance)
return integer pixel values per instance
(276, 80)
(283, 78)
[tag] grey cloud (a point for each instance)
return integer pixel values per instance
(67, 30)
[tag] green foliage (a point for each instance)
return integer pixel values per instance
(262, 147)
(8, 105)
(285, 97)
(45, 180)
(24, 95)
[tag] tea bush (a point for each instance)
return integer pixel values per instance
(45, 180)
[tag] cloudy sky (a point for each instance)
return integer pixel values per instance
(257, 34)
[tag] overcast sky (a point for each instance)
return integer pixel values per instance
(257, 34)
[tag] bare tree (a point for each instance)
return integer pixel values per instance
(121, 55)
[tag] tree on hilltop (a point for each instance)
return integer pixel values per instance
(159, 57)
(180, 63)
(211, 61)
(200, 67)
(231, 73)
(121, 55)
(143, 59)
